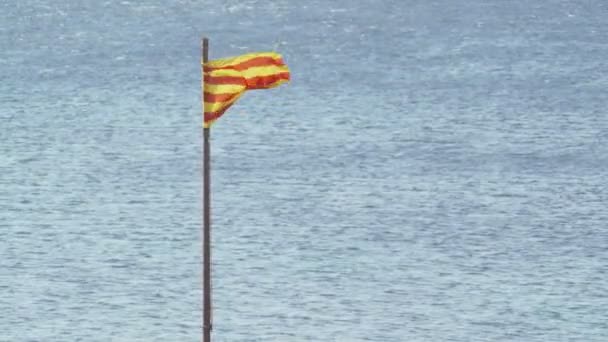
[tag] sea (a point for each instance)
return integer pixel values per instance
(434, 171)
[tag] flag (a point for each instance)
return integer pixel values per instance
(225, 80)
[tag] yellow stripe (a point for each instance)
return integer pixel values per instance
(224, 88)
(217, 106)
(224, 72)
(251, 72)
(264, 71)
(225, 62)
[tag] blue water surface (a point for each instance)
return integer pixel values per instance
(435, 171)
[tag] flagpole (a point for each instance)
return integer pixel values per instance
(206, 215)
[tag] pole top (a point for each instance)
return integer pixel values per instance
(205, 48)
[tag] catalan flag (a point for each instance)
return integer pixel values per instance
(225, 80)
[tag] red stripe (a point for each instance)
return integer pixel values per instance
(210, 97)
(252, 82)
(250, 63)
(224, 80)
(262, 82)
(210, 116)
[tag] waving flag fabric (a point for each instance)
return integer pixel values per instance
(225, 80)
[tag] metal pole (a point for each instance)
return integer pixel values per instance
(206, 217)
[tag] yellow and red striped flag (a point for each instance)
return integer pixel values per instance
(225, 80)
